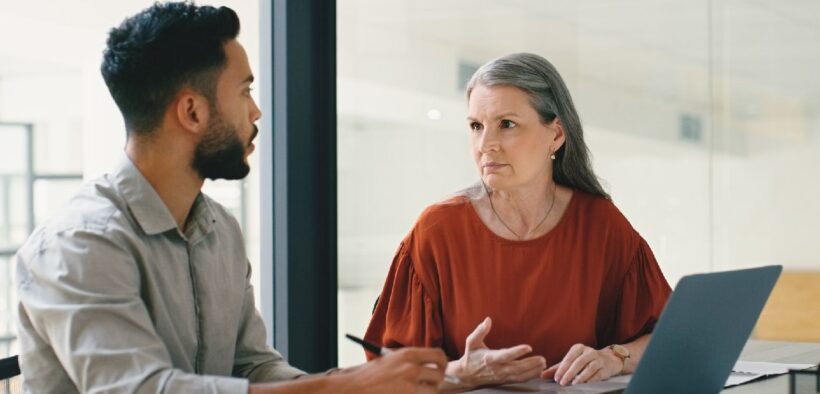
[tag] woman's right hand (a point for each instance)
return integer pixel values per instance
(481, 365)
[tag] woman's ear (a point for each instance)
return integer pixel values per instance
(192, 111)
(558, 137)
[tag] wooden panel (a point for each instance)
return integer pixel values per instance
(793, 310)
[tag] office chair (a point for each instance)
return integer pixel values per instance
(10, 380)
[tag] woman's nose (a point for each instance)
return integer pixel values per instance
(488, 142)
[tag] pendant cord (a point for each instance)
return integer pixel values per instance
(520, 238)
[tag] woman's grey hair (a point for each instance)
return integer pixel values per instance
(549, 97)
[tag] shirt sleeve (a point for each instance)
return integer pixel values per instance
(643, 295)
(405, 314)
(80, 293)
(254, 359)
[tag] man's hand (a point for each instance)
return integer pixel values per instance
(402, 371)
(407, 370)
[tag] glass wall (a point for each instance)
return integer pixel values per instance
(59, 126)
(703, 118)
(29, 191)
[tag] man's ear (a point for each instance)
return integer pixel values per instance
(192, 111)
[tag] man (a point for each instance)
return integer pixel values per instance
(142, 283)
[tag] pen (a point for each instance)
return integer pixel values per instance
(381, 351)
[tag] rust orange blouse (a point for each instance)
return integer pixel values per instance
(592, 279)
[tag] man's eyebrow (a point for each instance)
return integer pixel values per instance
(247, 80)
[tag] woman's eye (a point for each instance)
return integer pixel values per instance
(475, 126)
(507, 124)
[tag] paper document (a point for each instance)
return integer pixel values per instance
(742, 372)
(746, 371)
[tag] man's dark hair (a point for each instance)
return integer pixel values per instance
(155, 53)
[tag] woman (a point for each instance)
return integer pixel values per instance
(537, 246)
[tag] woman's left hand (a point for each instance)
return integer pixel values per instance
(584, 364)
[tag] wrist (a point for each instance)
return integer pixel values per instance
(343, 382)
(613, 364)
(457, 368)
(622, 355)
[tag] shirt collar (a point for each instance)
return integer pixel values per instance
(147, 207)
(202, 219)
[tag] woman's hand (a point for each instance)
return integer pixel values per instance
(584, 364)
(483, 366)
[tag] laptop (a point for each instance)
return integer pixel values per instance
(702, 330)
(698, 338)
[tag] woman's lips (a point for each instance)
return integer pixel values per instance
(492, 166)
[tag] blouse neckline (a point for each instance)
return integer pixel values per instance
(543, 237)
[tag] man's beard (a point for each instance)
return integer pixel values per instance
(220, 154)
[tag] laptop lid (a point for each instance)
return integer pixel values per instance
(702, 330)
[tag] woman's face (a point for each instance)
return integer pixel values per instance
(510, 144)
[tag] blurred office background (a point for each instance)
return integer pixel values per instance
(703, 117)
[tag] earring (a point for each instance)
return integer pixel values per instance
(552, 156)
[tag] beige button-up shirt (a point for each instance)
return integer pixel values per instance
(115, 298)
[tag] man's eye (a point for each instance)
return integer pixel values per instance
(475, 126)
(507, 124)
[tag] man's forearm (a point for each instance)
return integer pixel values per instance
(319, 384)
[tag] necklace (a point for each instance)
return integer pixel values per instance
(520, 238)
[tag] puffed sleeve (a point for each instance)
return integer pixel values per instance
(406, 314)
(643, 294)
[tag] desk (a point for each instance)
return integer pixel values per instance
(782, 352)
(779, 352)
